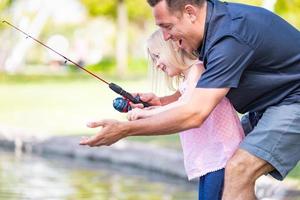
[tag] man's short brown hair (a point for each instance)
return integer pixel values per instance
(176, 5)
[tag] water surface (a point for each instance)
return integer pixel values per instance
(52, 178)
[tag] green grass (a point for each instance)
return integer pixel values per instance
(62, 104)
(57, 104)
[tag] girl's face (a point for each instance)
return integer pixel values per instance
(160, 62)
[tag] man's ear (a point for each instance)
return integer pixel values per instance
(191, 11)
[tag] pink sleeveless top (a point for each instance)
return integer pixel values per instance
(208, 148)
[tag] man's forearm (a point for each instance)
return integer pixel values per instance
(168, 122)
(183, 117)
(186, 116)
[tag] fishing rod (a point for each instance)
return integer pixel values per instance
(119, 104)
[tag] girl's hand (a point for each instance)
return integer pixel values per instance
(136, 114)
(150, 98)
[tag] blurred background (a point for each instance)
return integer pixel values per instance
(42, 95)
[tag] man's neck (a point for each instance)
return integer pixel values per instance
(202, 21)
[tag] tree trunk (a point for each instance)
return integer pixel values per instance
(121, 39)
(15, 61)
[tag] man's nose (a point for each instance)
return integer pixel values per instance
(166, 35)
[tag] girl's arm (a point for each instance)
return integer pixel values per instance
(154, 100)
(169, 99)
(138, 113)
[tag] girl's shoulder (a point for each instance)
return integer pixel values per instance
(195, 72)
(192, 77)
(199, 65)
(183, 87)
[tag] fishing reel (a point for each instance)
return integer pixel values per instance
(122, 104)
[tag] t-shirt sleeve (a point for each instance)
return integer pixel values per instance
(225, 63)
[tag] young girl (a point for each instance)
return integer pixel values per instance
(206, 149)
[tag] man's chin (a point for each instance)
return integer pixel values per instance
(182, 48)
(187, 50)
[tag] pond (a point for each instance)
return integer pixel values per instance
(52, 178)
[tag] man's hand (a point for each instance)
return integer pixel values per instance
(110, 133)
(150, 98)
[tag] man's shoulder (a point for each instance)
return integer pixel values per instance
(244, 22)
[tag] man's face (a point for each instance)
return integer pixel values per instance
(177, 27)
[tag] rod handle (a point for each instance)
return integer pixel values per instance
(117, 89)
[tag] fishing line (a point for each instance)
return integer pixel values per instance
(117, 103)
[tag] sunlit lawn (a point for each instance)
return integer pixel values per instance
(61, 105)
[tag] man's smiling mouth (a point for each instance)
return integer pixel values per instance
(180, 43)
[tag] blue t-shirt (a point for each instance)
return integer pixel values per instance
(252, 51)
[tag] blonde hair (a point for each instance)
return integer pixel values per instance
(174, 56)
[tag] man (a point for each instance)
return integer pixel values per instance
(251, 56)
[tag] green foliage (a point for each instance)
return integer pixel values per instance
(105, 65)
(289, 10)
(295, 173)
(137, 9)
(252, 2)
(4, 4)
(103, 7)
(137, 67)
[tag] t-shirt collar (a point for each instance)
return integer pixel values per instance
(200, 50)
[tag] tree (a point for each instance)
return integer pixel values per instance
(252, 2)
(289, 10)
(15, 59)
(5, 4)
(122, 11)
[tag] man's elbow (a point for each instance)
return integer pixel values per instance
(196, 117)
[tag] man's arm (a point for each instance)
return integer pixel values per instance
(189, 115)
